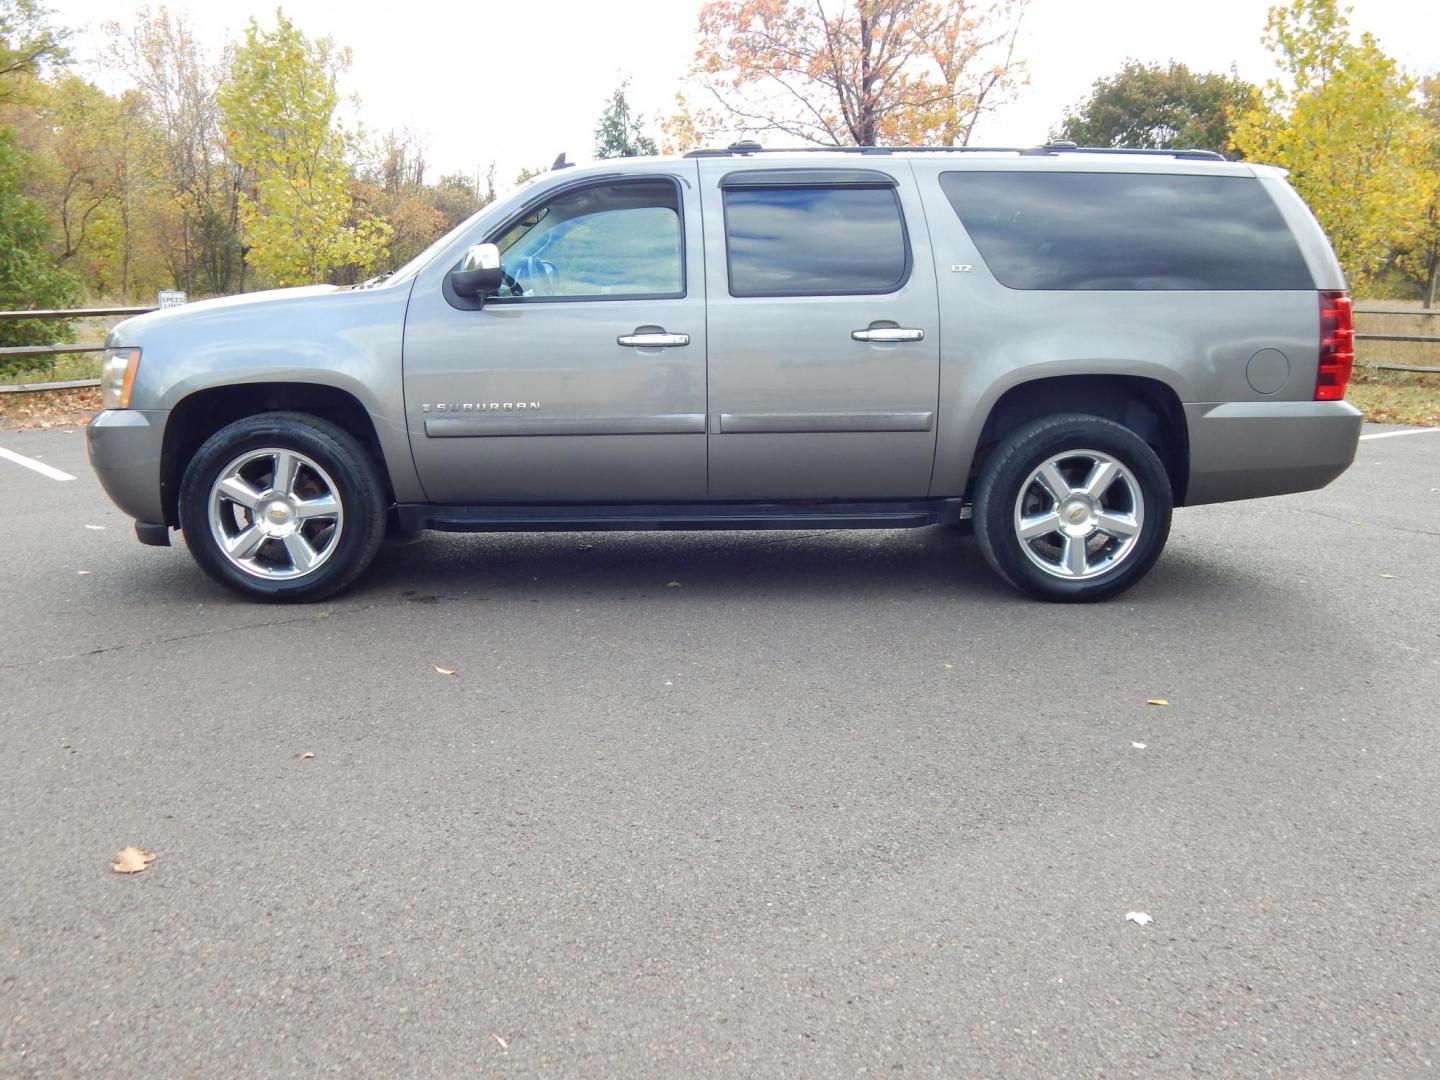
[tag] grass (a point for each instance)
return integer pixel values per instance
(1395, 398)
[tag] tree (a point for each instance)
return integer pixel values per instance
(862, 72)
(1343, 121)
(1419, 256)
(1154, 107)
(199, 226)
(28, 45)
(28, 275)
(279, 108)
(621, 133)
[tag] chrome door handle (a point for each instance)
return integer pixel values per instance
(653, 340)
(888, 333)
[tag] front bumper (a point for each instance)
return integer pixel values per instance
(1250, 449)
(124, 447)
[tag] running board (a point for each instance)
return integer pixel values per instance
(718, 515)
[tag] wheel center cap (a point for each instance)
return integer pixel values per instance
(276, 517)
(1077, 515)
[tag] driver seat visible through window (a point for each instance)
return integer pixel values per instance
(612, 241)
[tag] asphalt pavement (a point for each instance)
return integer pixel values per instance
(747, 804)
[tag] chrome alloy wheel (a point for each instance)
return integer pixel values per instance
(275, 514)
(1079, 515)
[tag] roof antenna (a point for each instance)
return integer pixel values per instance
(560, 162)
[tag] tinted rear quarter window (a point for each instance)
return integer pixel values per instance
(1127, 231)
(813, 241)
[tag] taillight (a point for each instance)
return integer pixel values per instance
(1337, 345)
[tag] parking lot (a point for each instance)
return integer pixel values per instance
(746, 804)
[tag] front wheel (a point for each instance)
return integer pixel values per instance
(1073, 508)
(282, 506)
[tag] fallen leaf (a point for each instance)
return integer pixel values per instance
(305, 755)
(444, 670)
(132, 860)
(1138, 745)
(504, 1043)
(1387, 575)
(949, 665)
(672, 585)
(96, 528)
(322, 614)
(1156, 701)
(82, 573)
(1139, 918)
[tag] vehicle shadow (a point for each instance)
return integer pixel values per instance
(859, 565)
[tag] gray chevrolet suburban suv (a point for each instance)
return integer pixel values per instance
(1062, 343)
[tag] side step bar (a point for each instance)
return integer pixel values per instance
(723, 515)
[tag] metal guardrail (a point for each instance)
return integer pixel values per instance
(74, 313)
(98, 313)
(58, 314)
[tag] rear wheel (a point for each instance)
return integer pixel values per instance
(1073, 508)
(282, 506)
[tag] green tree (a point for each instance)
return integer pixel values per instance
(28, 45)
(1155, 107)
(620, 132)
(1419, 256)
(194, 215)
(28, 275)
(279, 107)
(1343, 121)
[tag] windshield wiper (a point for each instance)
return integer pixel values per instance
(376, 280)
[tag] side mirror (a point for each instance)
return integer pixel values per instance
(480, 273)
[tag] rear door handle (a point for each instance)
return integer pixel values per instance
(888, 333)
(646, 337)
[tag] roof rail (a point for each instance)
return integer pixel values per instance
(1051, 149)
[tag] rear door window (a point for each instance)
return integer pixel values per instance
(814, 241)
(1127, 231)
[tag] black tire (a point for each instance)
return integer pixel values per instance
(343, 463)
(1143, 499)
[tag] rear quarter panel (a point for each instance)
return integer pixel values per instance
(993, 338)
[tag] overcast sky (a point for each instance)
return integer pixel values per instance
(517, 81)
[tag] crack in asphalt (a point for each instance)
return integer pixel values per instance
(1368, 524)
(149, 642)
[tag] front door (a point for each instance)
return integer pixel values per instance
(824, 331)
(584, 380)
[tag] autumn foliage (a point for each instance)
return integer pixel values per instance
(863, 72)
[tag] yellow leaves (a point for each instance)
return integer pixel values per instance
(1345, 124)
(132, 860)
(864, 71)
(279, 104)
(1157, 701)
(444, 670)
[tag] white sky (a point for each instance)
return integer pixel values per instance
(517, 81)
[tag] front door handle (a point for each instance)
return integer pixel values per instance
(652, 337)
(888, 333)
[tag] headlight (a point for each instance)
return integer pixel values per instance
(117, 377)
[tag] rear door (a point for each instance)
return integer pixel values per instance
(823, 331)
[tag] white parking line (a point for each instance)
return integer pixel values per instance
(39, 466)
(1407, 431)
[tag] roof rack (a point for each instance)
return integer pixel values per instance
(1050, 149)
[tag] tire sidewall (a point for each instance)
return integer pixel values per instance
(330, 447)
(1010, 466)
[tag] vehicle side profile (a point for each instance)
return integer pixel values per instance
(1062, 344)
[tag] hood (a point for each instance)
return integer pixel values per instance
(127, 332)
